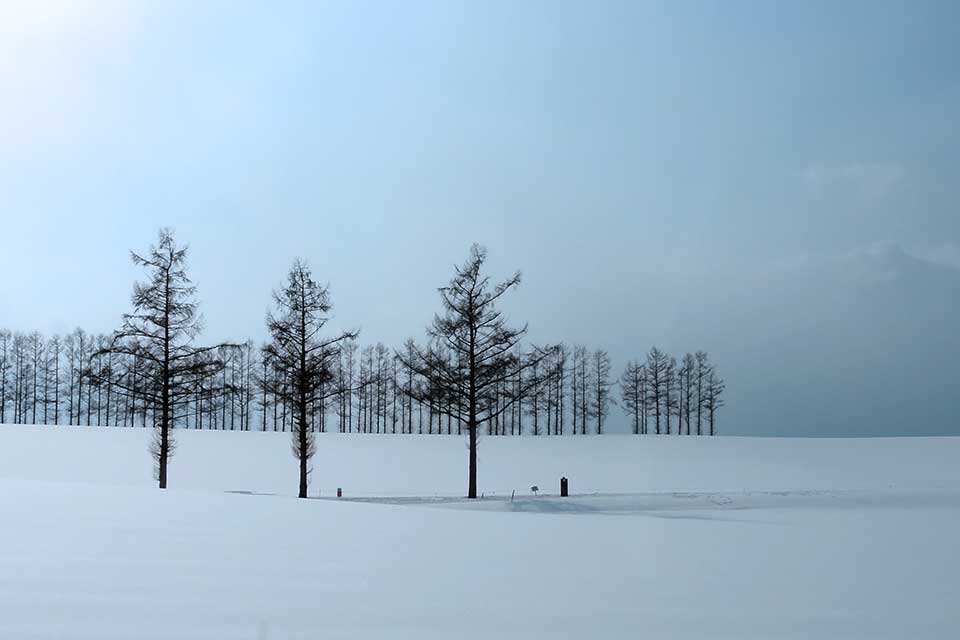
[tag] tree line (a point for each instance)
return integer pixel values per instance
(471, 375)
(73, 380)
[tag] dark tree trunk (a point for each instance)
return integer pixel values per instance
(165, 397)
(472, 489)
(303, 457)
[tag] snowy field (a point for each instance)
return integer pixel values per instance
(664, 538)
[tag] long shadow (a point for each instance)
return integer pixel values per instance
(704, 506)
(241, 492)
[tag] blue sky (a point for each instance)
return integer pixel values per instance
(661, 172)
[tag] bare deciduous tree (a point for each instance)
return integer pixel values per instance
(670, 396)
(301, 356)
(601, 386)
(4, 372)
(632, 391)
(478, 356)
(686, 381)
(656, 365)
(713, 399)
(701, 372)
(159, 334)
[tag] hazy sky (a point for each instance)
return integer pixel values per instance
(775, 183)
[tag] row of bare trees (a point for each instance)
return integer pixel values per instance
(76, 380)
(657, 390)
(42, 381)
(472, 374)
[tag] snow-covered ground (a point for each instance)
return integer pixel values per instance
(679, 538)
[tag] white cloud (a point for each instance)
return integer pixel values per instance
(867, 182)
(947, 255)
(879, 261)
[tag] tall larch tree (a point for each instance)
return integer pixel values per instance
(713, 399)
(471, 355)
(657, 365)
(159, 335)
(600, 366)
(687, 383)
(302, 356)
(670, 395)
(631, 393)
(702, 369)
(4, 371)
